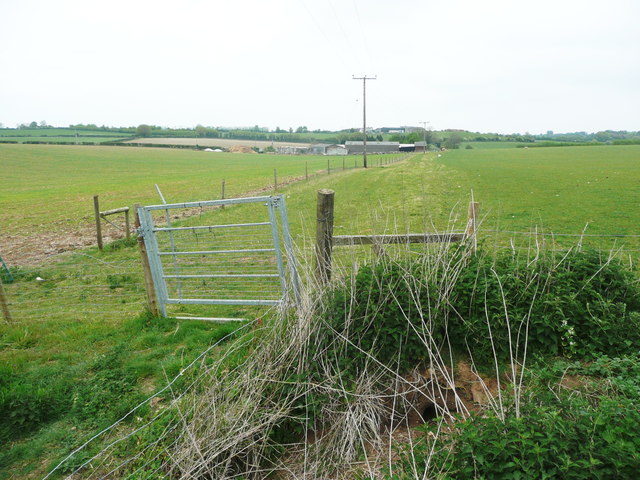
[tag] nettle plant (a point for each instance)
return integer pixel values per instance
(580, 304)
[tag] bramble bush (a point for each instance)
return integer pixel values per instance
(583, 433)
(582, 306)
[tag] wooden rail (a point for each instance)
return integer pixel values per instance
(346, 240)
(102, 215)
(325, 240)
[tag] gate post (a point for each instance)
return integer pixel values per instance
(4, 304)
(324, 235)
(149, 286)
(96, 207)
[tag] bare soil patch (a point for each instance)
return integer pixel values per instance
(42, 244)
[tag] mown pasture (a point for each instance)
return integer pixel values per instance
(562, 190)
(50, 189)
(59, 364)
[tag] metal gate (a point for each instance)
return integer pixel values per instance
(222, 264)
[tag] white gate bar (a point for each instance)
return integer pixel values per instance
(209, 227)
(207, 252)
(213, 319)
(209, 203)
(231, 275)
(208, 301)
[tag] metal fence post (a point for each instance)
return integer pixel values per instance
(324, 234)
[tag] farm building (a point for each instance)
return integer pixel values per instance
(373, 147)
(420, 147)
(407, 147)
(336, 150)
(327, 149)
(292, 150)
(318, 149)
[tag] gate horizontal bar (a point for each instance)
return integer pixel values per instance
(208, 252)
(209, 227)
(212, 319)
(231, 275)
(343, 240)
(209, 203)
(208, 301)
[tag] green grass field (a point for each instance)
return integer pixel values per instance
(558, 189)
(86, 354)
(491, 145)
(66, 135)
(51, 185)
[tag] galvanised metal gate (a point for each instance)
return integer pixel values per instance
(222, 264)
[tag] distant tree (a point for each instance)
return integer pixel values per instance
(302, 130)
(143, 130)
(43, 124)
(380, 138)
(1, 125)
(290, 130)
(201, 131)
(453, 141)
(33, 125)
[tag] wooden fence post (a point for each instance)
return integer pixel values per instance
(470, 232)
(324, 235)
(328, 167)
(127, 225)
(306, 171)
(222, 196)
(149, 286)
(96, 206)
(275, 180)
(4, 305)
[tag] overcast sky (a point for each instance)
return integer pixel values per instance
(491, 66)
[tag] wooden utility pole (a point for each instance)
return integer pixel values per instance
(364, 113)
(424, 134)
(324, 235)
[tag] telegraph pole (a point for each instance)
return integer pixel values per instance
(364, 112)
(424, 134)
